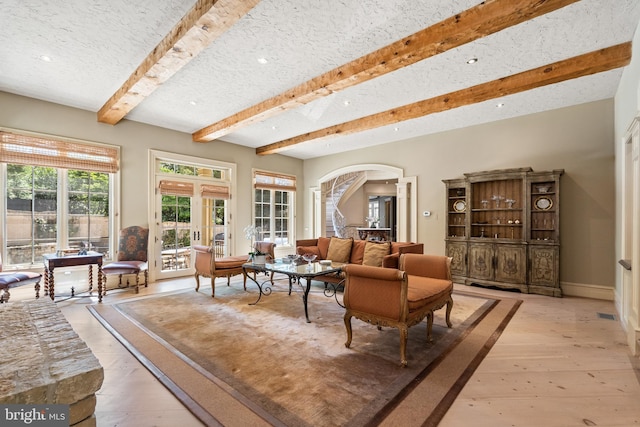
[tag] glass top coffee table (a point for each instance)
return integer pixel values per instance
(295, 271)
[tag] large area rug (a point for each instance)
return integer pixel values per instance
(232, 363)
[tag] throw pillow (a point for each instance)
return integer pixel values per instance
(357, 251)
(323, 246)
(339, 249)
(375, 252)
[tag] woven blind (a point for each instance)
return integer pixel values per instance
(273, 181)
(214, 191)
(176, 188)
(42, 151)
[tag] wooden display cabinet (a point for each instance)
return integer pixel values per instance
(457, 225)
(544, 233)
(457, 209)
(503, 229)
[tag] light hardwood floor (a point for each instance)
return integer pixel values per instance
(560, 362)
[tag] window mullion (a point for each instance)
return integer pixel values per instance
(272, 220)
(3, 208)
(62, 237)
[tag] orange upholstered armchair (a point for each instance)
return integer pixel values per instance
(398, 298)
(268, 250)
(207, 265)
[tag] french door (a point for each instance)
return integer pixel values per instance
(215, 225)
(185, 220)
(191, 205)
(177, 227)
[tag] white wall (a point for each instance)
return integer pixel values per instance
(627, 108)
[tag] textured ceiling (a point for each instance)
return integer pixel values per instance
(95, 46)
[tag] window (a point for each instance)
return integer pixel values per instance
(274, 207)
(59, 194)
(189, 170)
(88, 213)
(374, 210)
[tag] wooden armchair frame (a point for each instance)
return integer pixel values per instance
(398, 298)
(207, 265)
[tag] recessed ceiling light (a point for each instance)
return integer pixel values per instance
(500, 105)
(274, 127)
(396, 129)
(45, 58)
(347, 103)
(262, 60)
(193, 103)
(472, 61)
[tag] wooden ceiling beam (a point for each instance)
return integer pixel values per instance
(486, 18)
(579, 66)
(204, 23)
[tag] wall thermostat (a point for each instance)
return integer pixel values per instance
(426, 213)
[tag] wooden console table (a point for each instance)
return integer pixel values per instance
(379, 234)
(52, 261)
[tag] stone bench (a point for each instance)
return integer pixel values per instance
(44, 361)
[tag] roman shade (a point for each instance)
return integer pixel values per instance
(214, 191)
(273, 181)
(176, 188)
(49, 152)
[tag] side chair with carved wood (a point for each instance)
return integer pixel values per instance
(133, 246)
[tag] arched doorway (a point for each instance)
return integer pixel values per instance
(404, 215)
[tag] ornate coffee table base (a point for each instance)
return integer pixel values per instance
(295, 272)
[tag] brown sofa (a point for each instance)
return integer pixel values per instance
(361, 252)
(399, 298)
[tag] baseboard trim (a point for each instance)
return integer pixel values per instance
(588, 291)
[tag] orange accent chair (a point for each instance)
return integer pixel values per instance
(207, 265)
(398, 298)
(267, 249)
